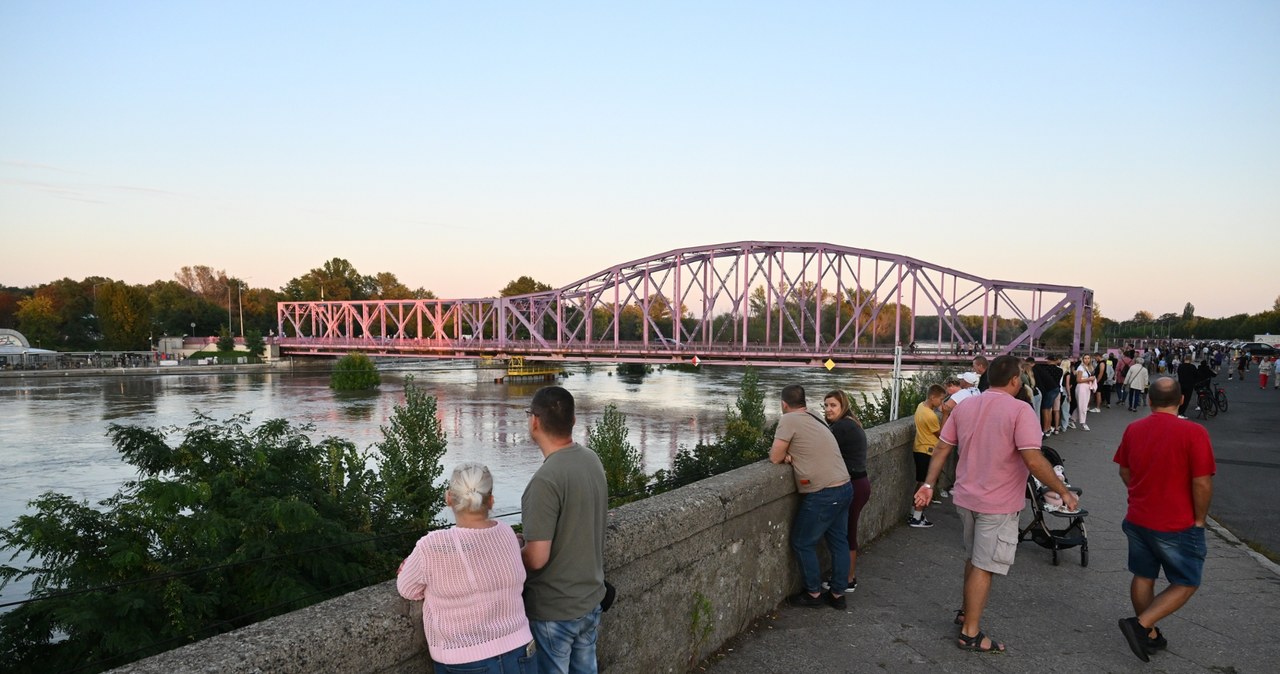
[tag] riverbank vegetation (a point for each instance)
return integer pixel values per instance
(227, 524)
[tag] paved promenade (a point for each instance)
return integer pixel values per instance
(1052, 618)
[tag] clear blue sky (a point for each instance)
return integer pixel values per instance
(1131, 147)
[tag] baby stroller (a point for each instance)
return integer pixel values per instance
(1045, 502)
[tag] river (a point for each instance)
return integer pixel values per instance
(53, 431)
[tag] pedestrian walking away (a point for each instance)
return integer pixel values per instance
(1167, 465)
(1001, 440)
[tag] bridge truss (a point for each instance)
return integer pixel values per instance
(775, 303)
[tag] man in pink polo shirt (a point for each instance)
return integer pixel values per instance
(999, 436)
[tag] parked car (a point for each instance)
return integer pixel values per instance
(1259, 349)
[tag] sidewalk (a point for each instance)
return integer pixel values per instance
(1052, 618)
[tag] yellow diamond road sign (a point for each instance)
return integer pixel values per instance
(830, 364)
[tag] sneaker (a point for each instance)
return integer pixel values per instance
(1158, 643)
(848, 589)
(1071, 425)
(806, 600)
(921, 523)
(1084, 427)
(1094, 409)
(1136, 637)
(835, 601)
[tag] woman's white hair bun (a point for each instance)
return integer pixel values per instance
(471, 485)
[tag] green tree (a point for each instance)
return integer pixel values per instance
(228, 526)
(38, 320)
(413, 445)
(254, 343)
(354, 372)
(622, 461)
(750, 403)
(231, 525)
(523, 286)
(226, 343)
(335, 280)
(387, 287)
(1188, 312)
(124, 314)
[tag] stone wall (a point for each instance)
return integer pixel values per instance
(693, 568)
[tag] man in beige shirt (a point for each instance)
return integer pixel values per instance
(804, 441)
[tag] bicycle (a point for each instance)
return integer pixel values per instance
(1210, 399)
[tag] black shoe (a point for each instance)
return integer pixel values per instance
(836, 602)
(1136, 636)
(806, 600)
(1159, 643)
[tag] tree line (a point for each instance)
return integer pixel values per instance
(99, 313)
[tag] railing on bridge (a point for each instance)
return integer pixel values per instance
(763, 302)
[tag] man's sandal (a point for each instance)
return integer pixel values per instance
(974, 644)
(959, 617)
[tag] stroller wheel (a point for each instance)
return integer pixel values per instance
(1084, 555)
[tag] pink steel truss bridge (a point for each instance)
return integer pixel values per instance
(748, 302)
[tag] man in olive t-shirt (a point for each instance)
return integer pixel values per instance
(565, 508)
(804, 441)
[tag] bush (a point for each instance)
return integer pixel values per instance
(412, 447)
(226, 343)
(745, 440)
(873, 410)
(635, 369)
(354, 372)
(622, 469)
(230, 526)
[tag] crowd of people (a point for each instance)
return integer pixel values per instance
(498, 601)
(1165, 462)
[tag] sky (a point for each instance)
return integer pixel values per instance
(1129, 147)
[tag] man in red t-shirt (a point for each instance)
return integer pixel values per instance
(1167, 464)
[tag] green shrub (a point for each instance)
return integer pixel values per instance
(229, 526)
(745, 440)
(354, 372)
(622, 469)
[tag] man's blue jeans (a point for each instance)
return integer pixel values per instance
(567, 646)
(823, 514)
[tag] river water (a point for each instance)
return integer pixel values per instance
(53, 431)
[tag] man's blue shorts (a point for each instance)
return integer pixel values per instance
(1179, 553)
(1047, 398)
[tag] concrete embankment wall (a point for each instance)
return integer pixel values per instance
(693, 568)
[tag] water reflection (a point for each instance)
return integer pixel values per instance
(53, 431)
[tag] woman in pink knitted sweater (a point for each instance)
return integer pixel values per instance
(470, 579)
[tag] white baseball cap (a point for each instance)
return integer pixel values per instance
(971, 378)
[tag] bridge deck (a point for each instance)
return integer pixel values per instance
(787, 355)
